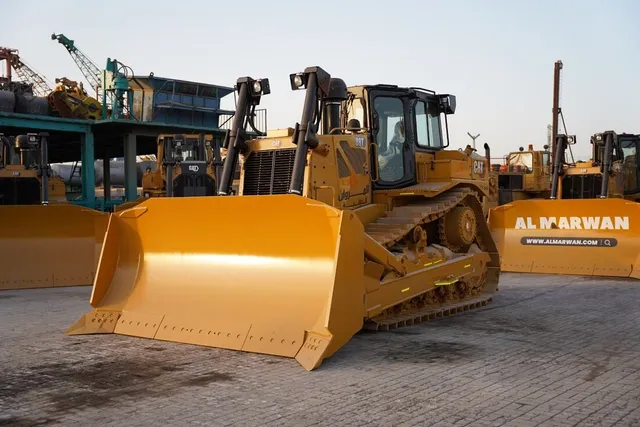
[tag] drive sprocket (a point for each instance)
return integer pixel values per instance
(457, 229)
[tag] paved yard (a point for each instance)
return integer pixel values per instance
(549, 350)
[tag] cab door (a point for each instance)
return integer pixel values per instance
(394, 139)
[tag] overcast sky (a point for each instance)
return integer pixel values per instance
(496, 56)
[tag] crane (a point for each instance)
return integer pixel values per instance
(24, 72)
(87, 67)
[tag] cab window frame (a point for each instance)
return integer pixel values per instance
(426, 102)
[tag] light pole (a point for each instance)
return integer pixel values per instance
(474, 139)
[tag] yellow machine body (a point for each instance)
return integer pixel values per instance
(524, 175)
(154, 183)
(49, 245)
(20, 181)
(299, 275)
(598, 237)
(70, 100)
(578, 233)
(45, 245)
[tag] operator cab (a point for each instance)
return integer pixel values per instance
(402, 122)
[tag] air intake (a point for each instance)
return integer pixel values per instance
(268, 172)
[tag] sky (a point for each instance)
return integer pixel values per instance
(496, 56)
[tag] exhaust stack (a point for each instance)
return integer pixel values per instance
(332, 107)
(487, 153)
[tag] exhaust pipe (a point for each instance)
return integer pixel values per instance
(235, 139)
(487, 153)
(606, 164)
(333, 103)
(317, 82)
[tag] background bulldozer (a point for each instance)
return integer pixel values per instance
(356, 217)
(524, 175)
(25, 175)
(187, 165)
(44, 240)
(589, 226)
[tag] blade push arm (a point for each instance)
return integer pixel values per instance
(249, 93)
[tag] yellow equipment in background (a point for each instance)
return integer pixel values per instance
(525, 175)
(593, 228)
(348, 220)
(24, 179)
(70, 100)
(187, 165)
(44, 240)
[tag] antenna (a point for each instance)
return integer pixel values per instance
(474, 139)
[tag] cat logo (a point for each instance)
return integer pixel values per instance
(360, 141)
(478, 167)
(194, 168)
(275, 143)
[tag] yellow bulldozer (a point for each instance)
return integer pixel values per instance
(25, 176)
(357, 217)
(524, 175)
(187, 165)
(589, 225)
(45, 241)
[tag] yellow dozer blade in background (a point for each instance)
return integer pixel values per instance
(599, 237)
(50, 245)
(267, 284)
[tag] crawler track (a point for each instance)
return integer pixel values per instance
(392, 231)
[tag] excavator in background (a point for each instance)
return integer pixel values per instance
(70, 100)
(350, 219)
(45, 241)
(187, 166)
(590, 225)
(524, 175)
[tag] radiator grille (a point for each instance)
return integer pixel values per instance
(581, 186)
(268, 172)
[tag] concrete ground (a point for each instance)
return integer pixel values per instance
(550, 351)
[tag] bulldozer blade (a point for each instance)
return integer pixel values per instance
(280, 275)
(49, 246)
(594, 237)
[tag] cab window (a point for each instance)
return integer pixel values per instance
(355, 110)
(520, 162)
(390, 138)
(545, 159)
(428, 125)
(630, 169)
